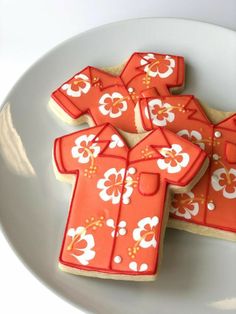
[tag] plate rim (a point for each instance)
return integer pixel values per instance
(94, 29)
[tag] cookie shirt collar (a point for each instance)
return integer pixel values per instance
(103, 79)
(146, 149)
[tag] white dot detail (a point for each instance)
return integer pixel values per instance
(211, 206)
(216, 157)
(217, 134)
(122, 224)
(131, 170)
(130, 89)
(117, 259)
(122, 231)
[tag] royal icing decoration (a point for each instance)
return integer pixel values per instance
(113, 99)
(218, 185)
(82, 244)
(193, 136)
(144, 71)
(116, 214)
(174, 159)
(112, 105)
(139, 100)
(185, 205)
(80, 85)
(85, 150)
(161, 113)
(224, 180)
(162, 66)
(112, 185)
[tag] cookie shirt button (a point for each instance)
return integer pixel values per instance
(211, 206)
(117, 259)
(217, 134)
(216, 157)
(130, 89)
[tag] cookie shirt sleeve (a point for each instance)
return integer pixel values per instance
(63, 157)
(182, 160)
(74, 95)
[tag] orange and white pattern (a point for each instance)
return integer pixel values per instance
(158, 65)
(113, 99)
(116, 212)
(213, 200)
(80, 85)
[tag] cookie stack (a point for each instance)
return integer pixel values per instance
(149, 158)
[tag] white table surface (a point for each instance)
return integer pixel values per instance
(28, 29)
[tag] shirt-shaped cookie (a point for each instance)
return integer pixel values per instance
(212, 202)
(101, 97)
(116, 221)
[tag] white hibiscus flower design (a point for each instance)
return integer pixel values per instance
(174, 159)
(134, 266)
(80, 85)
(112, 184)
(81, 245)
(184, 205)
(161, 66)
(193, 136)
(145, 233)
(160, 112)
(116, 141)
(224, 180)
(112, 105)
(84, 150)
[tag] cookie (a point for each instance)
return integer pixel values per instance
(95, 96)
(121, 187)
(148, 110)
(209, 208)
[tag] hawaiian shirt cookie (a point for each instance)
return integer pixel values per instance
(212, 202)
(106, 98)
(116, 220)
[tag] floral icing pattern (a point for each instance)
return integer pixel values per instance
(80, 85)
(111, 185)
(113, 105)
(82, 244)
(161, 66)
(134, 266)
(115, 223)
(224, 180)
(160, 113)
(185, 205)
(193, 136)
(121, 230)
(116, 141)
(84, 150)
(174, 159)
(144, 234)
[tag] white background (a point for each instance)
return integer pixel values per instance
(30, 28)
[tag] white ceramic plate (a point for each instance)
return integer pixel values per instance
(198, 274)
